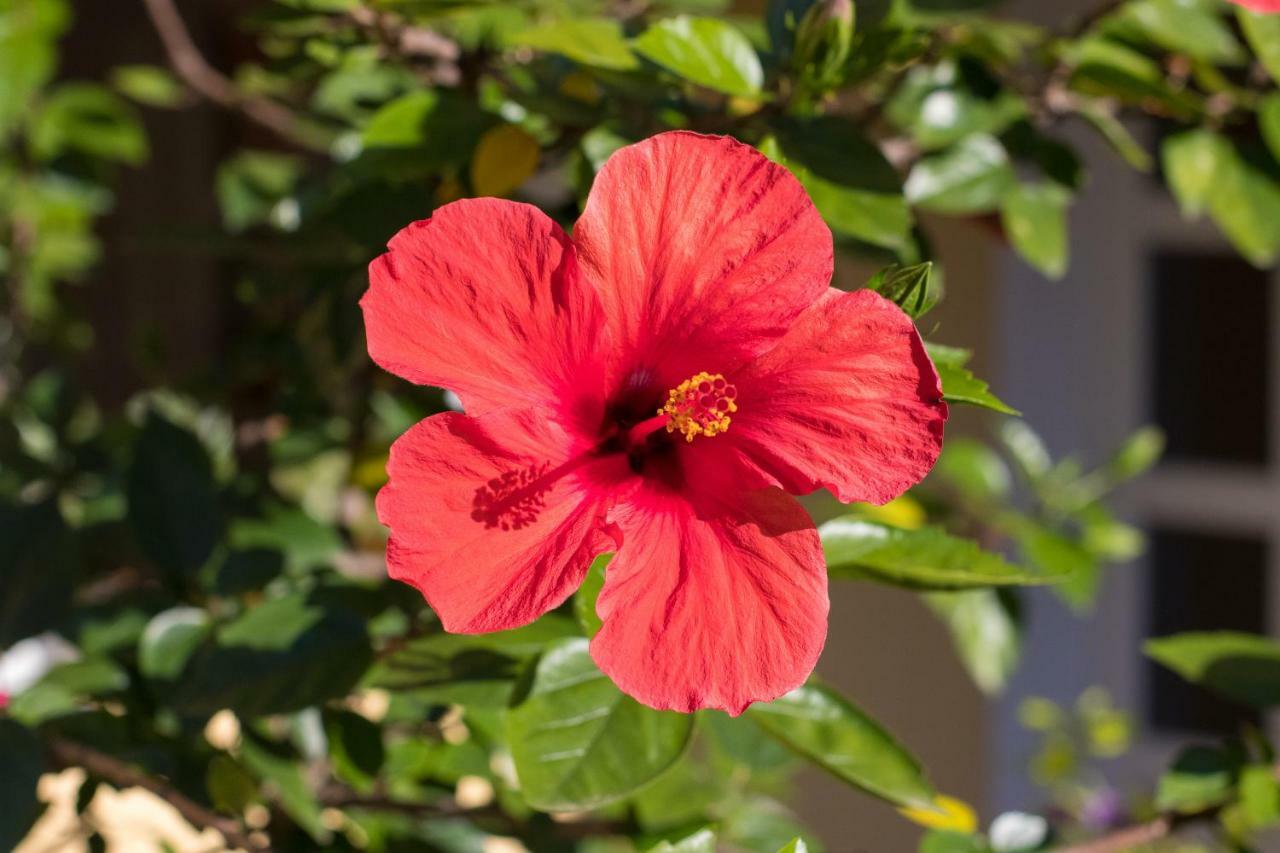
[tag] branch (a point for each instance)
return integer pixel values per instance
(194, 70)
(1127, 838)
(66, 753)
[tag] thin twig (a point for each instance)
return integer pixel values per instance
(66, 753)
(1127, 838)
(194, 70)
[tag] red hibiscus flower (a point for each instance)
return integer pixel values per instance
(654, 385)
(1259, 5)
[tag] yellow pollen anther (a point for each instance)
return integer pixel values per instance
(700, 405)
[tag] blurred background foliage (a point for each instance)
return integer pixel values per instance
(192, 587)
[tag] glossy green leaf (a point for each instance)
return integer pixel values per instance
(925, 558)
(828, 730)
(970, 177)
(959, 385)
(796, 845)
(1201, 777)
(579, 743)
(1109, 69)
(856, 190)
(912, 288)
(170, 639)
(591, 41)
(472, 670)
(1035, 220)
(706, 51)
(584, 602)
(173, 501)
(284, 655)
(1263, 33)
(23, 766)
(1242, 667)
(1245, 204)
(986, 632)
(355, 748)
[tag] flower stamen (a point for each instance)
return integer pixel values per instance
(700, 405)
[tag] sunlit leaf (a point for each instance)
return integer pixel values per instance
(591, 41)
(959, 385)
(579, 743)
(926, 558)
(705, 51)
(1242, 667)
(1035, 219)
(828, 730)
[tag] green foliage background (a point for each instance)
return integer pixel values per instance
(212, 546)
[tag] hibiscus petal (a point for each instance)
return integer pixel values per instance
(484, 299)
(848, 400)
(712, 604)
(494, 519)
(702, 251)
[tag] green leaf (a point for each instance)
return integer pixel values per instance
(796, 845)
(1207, 172)
(89, 119)
(1242, 667)
(23, 766)
(292, 791)
(1263, 34)
(148, 84)
(853, 186)
(251, 184)
(825, 728)
(1055, 553)
(37, 571)
(970, 177)
(1200, 778)
(173, 501)
(584, 602)
(170, 639)
(985, 631)
(974, 469)
(702, 840)
(959, 385)
(706, 51)
(355, 747)
(944, 841)
(1109, 69)
(472, 670)
(926, 558)
(1269, 119)
(1191, 28)
(938, 108)
(1117, 135)
(1260, 796)
(911, 288)
(1137, 455)
(1245, 204)
(284, 655)
(29, 32)
(597, 42)
(1192, 160)
(231, 788)
(1035, 219)
(579, 743)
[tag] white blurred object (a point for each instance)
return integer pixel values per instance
(1012, 832)
(27, 661)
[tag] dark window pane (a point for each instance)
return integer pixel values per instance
(1201, 582)
(1211, 314)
